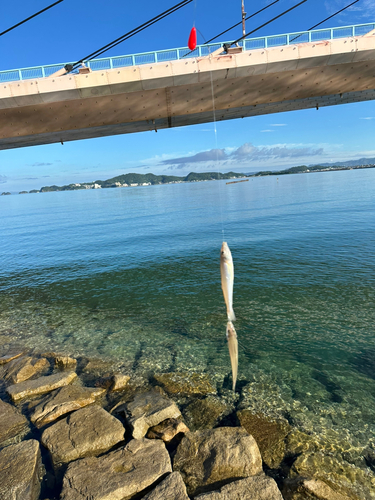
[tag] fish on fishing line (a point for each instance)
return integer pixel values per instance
(233, 352)
(227, 278)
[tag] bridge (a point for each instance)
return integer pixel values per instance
(174, 88)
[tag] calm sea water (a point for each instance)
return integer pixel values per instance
(133, 275)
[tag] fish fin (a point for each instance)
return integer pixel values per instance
(231, 316)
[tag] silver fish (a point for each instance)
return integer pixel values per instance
(227, 278)
(233, 351)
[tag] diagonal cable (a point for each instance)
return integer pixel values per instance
(31, 17)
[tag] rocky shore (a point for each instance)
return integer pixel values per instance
(72, 430)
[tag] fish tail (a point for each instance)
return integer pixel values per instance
(231, 315)
(233, 353)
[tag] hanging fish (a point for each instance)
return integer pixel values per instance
(233, 351)
(192, 43)
(227, 278)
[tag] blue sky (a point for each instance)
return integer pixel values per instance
(74, 28)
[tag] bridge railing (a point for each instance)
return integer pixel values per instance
(201, 50)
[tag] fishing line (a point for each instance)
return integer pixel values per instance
(217, 153)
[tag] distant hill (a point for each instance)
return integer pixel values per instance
(133, 179)
(350, 163)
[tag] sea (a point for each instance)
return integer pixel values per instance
(132, 276)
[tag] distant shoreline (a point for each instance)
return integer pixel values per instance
(136, 180)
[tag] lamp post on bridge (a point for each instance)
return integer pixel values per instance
(243, 18)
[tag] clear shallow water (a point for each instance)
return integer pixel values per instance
(133, 275)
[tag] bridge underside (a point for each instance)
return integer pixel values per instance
(179, 93)
(184, 120)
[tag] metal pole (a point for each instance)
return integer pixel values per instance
(243, 18)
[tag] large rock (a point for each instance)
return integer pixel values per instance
(185, 384)
(171, 488)
(213, 456)
(21, 369)
(12, 423)
(309, 489)
(20, 471)
(269, 434)
(40, 385)
(118, 475)
(62, 401)
(86, 432)
(251, 488)
(147, 410)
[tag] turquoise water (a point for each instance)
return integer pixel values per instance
(133, 275)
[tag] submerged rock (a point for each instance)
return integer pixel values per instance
(147, 410)
(167, 430)
(120, 474)
(40, 385)
(12, 423)
(23, 368)
(206, 413)
(10, 356)
(213, 456)
(251, 488)
(269, 434)
(312, 489)
(86, 432)
(62, 401)
(344, 478)
(185, 384)
(65, 362)
(20, 471)
(171, 488)
(119, 381)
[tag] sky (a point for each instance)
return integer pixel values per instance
(75, 28)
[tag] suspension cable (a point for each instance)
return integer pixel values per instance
(31, 17)
(126, 36)
(326, 19)
(235, 25)
(227, 45)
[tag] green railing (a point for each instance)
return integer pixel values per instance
(201, 50)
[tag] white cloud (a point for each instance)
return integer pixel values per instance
(278, 125)
(364, 8)
(267, 131)
(368, 118)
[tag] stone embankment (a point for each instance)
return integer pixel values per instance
(65, 435)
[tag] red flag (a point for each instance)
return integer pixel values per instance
(192, 43)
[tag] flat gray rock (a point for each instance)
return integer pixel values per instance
(12, 423)
(118, 475)
(211, 456)
(171, 488)
(86, 432)
(20, 467)
(251, 488)
(21, 369)
(62, 401)
(40, 385)
(147, 410)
